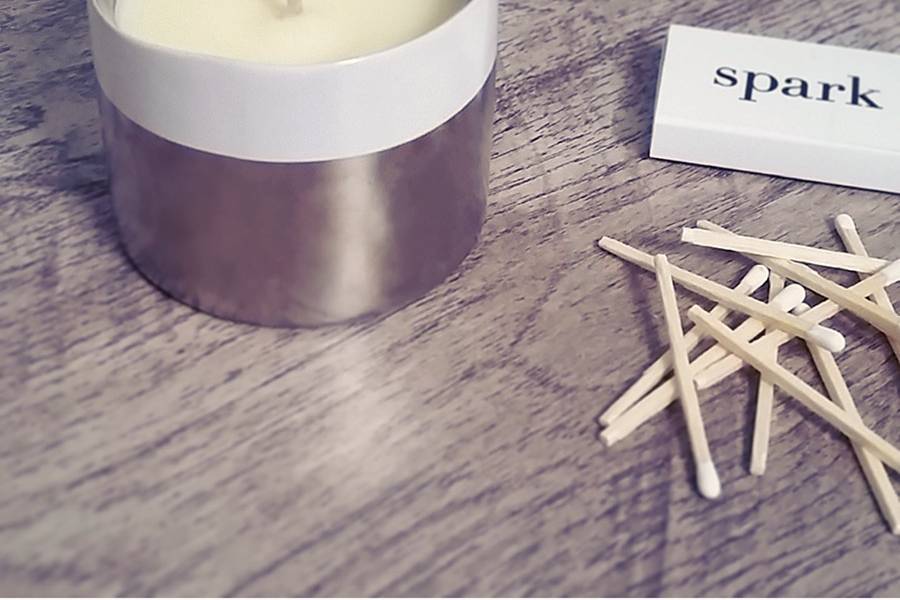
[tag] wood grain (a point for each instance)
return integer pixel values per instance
(450, 448)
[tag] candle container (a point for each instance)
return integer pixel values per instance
(299, 195)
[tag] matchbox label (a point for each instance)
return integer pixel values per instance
(754, 85)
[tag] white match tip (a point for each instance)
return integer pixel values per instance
(687, 235)
(708, 480)
(789, 298)
(891, 272)
(827, 338)
(845, 222)
(802, 309)
(755, 278)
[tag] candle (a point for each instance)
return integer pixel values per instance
(283, 31)
(297, 162)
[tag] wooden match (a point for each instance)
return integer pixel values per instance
(873, 469)
(655, 373)
(707, 477)
(774, 319)
(828, 338)
(802, 254)
(797, 388)
(765, 396)
(846, 228)
(824, 311)
(656, 401)
(884, 320)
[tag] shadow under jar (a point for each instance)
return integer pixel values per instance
(299, 195)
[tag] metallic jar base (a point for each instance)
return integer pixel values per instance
(301, 244)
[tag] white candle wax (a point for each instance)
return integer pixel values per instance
(268, 31)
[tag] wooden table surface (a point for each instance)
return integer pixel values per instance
(450, 448)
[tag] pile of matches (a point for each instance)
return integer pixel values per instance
(784, 317)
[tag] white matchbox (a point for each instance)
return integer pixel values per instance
(779, 107)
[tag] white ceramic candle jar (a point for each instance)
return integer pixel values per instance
(298, 184)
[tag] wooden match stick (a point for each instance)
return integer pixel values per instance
(853, 242)
(822, 312)
(884, 320)
(707, 477)
(765, 396)
(828, 338)
(655, 373)
(771, 249)
(797, 388)
(656, 401)
(877, 477)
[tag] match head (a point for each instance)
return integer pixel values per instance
(708, 480)
(802, 309)
(754, 279)
(845, 223)
(891, 273)
(827, 338)
(789, 298)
